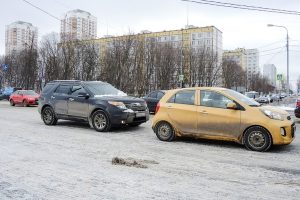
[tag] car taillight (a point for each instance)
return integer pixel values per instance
(298, 103)
(157, 107)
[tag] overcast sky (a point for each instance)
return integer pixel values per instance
(247, 29)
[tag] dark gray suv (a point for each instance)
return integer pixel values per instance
(96, 102)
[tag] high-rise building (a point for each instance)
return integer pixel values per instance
(20, 35)
(238, 55)
(78, 25)
(269, 71)
(252, 57)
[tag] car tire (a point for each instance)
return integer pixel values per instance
(25, 103)
(100, 121)
(11, 102)
(257, 138)
(48, 116)
(164, 131)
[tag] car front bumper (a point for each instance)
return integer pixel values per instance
(129, 117)
(289, 129)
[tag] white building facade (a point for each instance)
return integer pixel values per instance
(20, 35)
(270, 71)
(78, 25)
(252, 60)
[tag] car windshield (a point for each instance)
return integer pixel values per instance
(29, 92)
(104, 89)
(242, 98)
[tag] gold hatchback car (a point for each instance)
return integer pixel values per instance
(221, 114)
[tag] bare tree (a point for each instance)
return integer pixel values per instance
(233, 74)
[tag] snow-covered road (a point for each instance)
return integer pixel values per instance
(72, 161)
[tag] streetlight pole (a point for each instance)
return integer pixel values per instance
(287, 56)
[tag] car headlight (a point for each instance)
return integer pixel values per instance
(272, 115)
(118, 104)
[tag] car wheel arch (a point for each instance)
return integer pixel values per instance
(242, 138)
(173, 127)
(93, 111)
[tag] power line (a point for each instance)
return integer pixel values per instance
(44, 11)
(243, 7)
(271, 49)
(270, 44)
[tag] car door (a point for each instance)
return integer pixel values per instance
(214, 119)
(182, 111)
(59, 99)
(78, 106)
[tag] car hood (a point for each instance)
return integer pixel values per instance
(124, 99)
(276, 109)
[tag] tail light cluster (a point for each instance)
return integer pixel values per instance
(298, 103)
(157, 107)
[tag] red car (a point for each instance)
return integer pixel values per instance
(24, 97)
(297, 110)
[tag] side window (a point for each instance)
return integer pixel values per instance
(76, 89)
(153, 95)
(183, 97)
(47, 88)
(213, 99)
(63, 89)
(160, 95)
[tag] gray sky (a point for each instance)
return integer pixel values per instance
(247, 29)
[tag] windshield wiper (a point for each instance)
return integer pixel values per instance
(255, 105)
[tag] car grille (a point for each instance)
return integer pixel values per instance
(136, 106)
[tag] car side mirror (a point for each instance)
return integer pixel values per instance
(83, 95)
(231, 106)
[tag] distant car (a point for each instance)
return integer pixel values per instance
(7, 91)
(2, 96)
(153, 98)
(263, 100)
(297, 110)
(24, 97)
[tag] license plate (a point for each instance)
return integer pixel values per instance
(140, 114)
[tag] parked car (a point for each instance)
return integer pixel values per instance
(96, 102)
(297, 110)
(7, 91)
(263, 100)
(221, 114)
(2, 96)
(153, 98)
(24, 97)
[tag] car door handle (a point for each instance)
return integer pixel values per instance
(170, 107)
(71, 99)
(52, 97)
(203, 112)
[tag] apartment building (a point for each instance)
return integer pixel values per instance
(270, 71)
(252, 59)
(20, 35)
(78, 25)
(238, 55)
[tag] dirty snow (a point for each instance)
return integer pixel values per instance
(72, 161)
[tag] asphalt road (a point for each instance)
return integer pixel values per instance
(72, 161)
